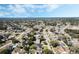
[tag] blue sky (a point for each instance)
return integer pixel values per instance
(39, 10)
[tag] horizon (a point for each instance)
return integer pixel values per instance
(39, 17)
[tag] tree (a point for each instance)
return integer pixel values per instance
(33, 47)
(47, 51)
(15, 41)
(54, 43)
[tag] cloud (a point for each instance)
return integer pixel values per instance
(2, 7)
(17, 9)
(26, 9)
(33, 8)
(41, 7)
(2, 14)
(52, 7)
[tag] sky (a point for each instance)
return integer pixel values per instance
(39, 10)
